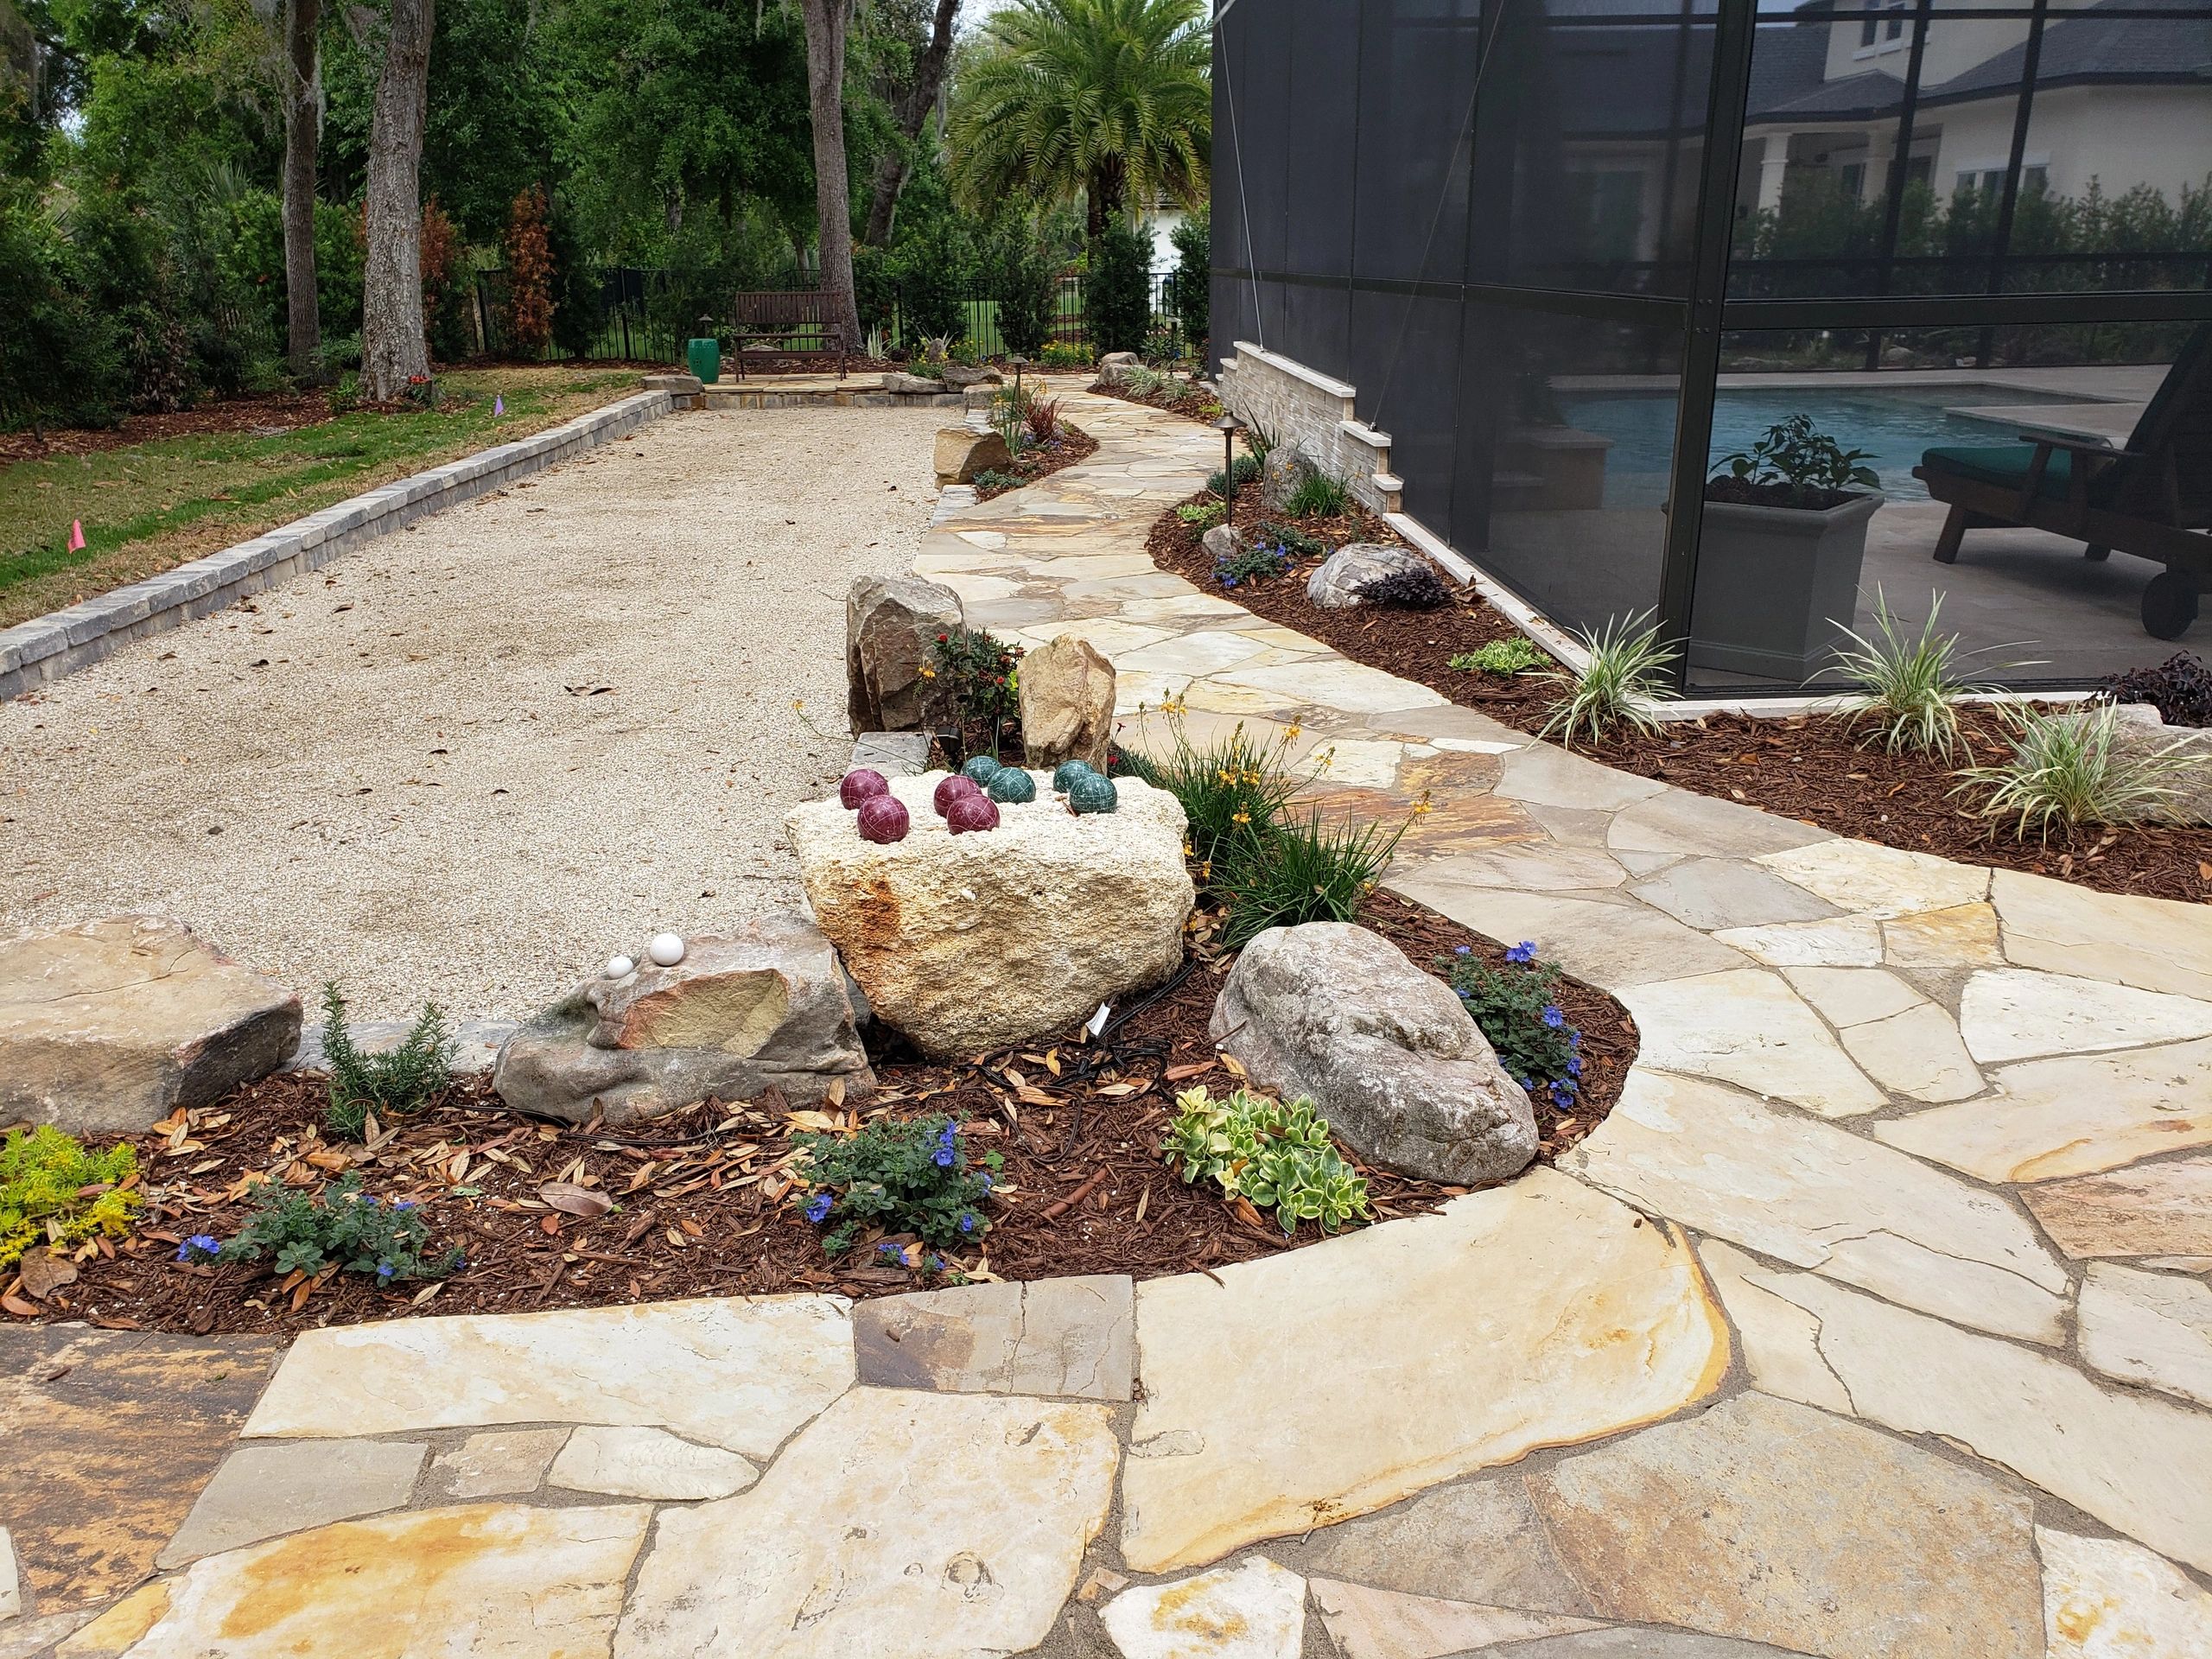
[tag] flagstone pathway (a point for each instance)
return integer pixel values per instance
(1874, 1324)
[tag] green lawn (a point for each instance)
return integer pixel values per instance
(151, 507)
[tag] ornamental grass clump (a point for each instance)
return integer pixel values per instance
(1284, 872)
(892, 1175)
(1518, 1009)
(1275, 1156)
(340, 1226)
(1627, 669)
(387, 1085)
(1321, 496)
(2068, 769)
(54, 1192)
(1224, 785)
(1913, 686)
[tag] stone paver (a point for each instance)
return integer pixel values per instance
(1520, 1429)
(1054, 1337)
(648, 1463)
(1254, 1611)
(1818, 1196)
(899, 1523)
(1760, 1517)
(1537, 1313)
(2156, 1208)
(262, 1492)
(733, 1373)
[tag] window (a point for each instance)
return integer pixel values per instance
(1883, 25)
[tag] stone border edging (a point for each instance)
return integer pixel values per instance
(61, 642)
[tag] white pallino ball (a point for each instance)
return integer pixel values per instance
(667, 948)
(620, 967)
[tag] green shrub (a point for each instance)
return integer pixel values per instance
(53, 1191)
(1293, 540)
(1319, 496)
(1203, 515)
(1280, 873)
(1118, 292)
(1277, 1157)
(59, 363)
(340, 1226)
(1193, 289)
(983, 672)
(401, 1080)
(910, 1175)
(2068, 771)
(1066, 355)
(1627, 669)
(1518, 1007)
(991, 479)
(1513, 656)
(1244, 469)
(1252, 562)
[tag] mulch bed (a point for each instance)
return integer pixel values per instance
(1074, 444)
(703, 1202)
(1811, 768)
(1192, 403)
(262, 416)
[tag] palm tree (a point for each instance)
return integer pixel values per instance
(1107, 99)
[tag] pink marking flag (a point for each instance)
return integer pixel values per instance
(499, 404)
(76, 535)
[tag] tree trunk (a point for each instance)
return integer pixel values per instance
(393, 349)
(302, 124)
(1102, 196)
(833, 198)
(896, 164)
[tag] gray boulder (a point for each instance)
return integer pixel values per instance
(959, 378)
(1114, 366)
(767, 1004)
(109, 1025)
(1285, 469)
(2141, 731)
(1223, 542)
(1345, 576)
(1396, 1065)
(910, 385)
(891, 628)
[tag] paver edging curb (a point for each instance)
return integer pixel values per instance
(61, 642)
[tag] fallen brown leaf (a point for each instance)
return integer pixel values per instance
(573, 1200)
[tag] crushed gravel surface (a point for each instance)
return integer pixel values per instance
(470, 760)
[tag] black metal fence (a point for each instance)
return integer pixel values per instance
(645, 314)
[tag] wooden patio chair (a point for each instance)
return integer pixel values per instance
(2153, 498)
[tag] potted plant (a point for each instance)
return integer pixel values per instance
(1778, 560)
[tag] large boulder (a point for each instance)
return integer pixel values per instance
(1285, 469)
(766, 1004)
(958, 378)
(1067, 704)
(970, 943)
(2140, 731)
(891, 626)
(109, 1025)
(962, 453)
(1342, 580)
(1388, 1053)
(911, 385)
(1114, 366)
(1223, 543)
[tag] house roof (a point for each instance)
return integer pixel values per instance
(1789, 60)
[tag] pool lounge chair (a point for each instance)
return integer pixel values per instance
(2153, 498)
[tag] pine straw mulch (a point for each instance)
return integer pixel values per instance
(703, 1201)
(1073, 445)
(1192, 402)
(1813, 768)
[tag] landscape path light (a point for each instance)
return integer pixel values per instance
(1229, 426)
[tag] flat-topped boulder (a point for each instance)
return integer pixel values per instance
(109, 1025)
(766, 1004)
(969, 942)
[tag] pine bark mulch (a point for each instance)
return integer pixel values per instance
(704, 1203)
(1813, 768)
(1073, 445)
(1192, 403)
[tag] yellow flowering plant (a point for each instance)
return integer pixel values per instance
(54, 1191)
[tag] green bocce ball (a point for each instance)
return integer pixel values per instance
(1067, 772)
(1093, 794)
(981, 768)
(1013, 785)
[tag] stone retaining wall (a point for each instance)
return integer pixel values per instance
(1289, 401)
(47, 647)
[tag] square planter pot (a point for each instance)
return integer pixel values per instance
(1776, 586)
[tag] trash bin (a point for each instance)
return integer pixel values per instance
(705, 357)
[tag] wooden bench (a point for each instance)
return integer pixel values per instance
(785, 323)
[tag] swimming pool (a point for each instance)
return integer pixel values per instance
(1892, 425)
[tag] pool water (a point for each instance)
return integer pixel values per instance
(1892, 425)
